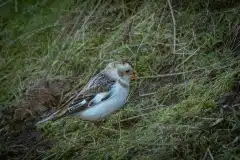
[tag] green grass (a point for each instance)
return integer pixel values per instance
(47, 39)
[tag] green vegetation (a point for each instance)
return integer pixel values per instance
(172, 110)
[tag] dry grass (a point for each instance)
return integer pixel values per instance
(180, 51)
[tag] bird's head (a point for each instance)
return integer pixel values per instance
(122, 70)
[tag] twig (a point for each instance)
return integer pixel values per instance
(90, 15)
(48, 157)
(180, 73)
(4, 3)
(160, 125)
(208, 152)
(170, 74)
(126, 36)
(64, 133)
(174, 26)
(130, 118)
(20, 145)
(181, 53)
(146, 94)
(205, 155)
(32, 149)
(31, 33)
(110, 129)
(194, 53)
(87, 19)
(157, 106)
(145, 37)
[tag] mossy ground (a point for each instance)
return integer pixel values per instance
(172, 110)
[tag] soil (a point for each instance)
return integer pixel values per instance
(20, 138)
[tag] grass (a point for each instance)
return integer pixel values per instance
(172, 110)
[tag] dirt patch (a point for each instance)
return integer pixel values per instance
(231, 100)
(19, 136)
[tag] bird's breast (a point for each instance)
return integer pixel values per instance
(116, 101)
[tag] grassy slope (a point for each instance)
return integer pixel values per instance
(46, 39)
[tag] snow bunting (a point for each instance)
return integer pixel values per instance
(104, 94)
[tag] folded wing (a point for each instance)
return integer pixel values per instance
(97, 90)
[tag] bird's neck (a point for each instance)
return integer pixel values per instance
(123, 83)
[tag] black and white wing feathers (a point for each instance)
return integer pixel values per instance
(96, 91)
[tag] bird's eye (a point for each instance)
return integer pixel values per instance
(127, 71)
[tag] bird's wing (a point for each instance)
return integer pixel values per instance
(100, 83)
(96, 91)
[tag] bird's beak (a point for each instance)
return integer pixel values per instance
(134, 75)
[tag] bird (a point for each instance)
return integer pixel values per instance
(104, 94)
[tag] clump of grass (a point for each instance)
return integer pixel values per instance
(171, 107)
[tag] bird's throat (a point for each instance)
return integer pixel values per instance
(123, 83)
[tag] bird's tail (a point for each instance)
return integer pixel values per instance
(64, 112)
(44, 120)
(51, 117)
(56, 115)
